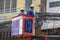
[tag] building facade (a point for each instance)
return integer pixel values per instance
(51, 27)
(11, 8)
(53, 6)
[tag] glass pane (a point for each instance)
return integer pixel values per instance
(55, 4)
(1, 6)
(7, 6)
(7, 10)
(13, 10)
(13, 6)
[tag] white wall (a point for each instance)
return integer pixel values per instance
(53, 9)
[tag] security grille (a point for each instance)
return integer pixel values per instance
(5, 35)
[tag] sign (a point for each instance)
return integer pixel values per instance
(28, 25)
(50, 24)
(16, 26)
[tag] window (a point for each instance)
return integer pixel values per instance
(1, 5)
(54, 4)
(28, 3)
(13, 6)
(7, 6)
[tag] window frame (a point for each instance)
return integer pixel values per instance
(54, 4)
(10, 8)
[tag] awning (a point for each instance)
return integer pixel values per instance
(50, 24)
